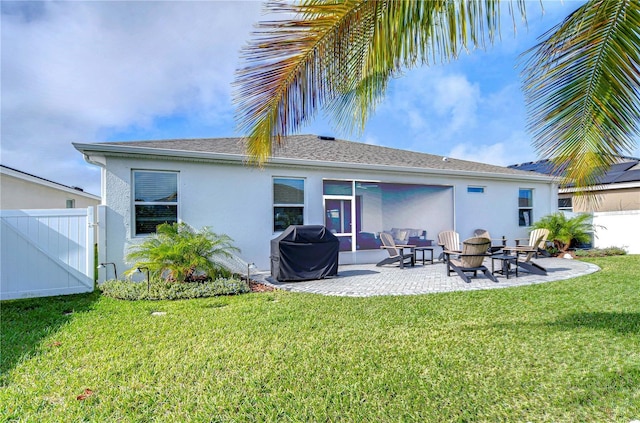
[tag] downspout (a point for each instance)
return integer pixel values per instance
(101, 215)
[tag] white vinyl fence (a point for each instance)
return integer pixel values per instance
(46, 252)
(618, 229)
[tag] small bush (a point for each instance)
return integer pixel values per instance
(563, 230)
(165, 290)
(601, 252)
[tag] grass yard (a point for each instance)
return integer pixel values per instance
(565, 351)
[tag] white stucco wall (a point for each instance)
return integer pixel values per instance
(496, 210)
(237, 201)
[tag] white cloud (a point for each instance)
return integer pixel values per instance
(73, 70)
(432, 101)
(456, 99)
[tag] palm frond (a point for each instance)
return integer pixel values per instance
(339, 55)
(582, 87)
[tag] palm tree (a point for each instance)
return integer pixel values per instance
(178, 252)
(581, 83)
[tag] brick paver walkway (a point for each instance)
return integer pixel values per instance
(367, 280)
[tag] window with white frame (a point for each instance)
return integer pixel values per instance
(155, 198)
(525, 207)
(288, 203)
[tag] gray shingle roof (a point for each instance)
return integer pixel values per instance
(315, 149)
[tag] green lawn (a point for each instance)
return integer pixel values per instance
(561, 351)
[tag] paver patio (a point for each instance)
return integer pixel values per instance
(367, 280)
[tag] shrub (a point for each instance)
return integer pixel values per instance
(177, 252)
(562, 230)
(161, 289)
(601, 252)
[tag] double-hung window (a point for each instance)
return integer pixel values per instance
(288, 203)
(525, 207)
(155, 196)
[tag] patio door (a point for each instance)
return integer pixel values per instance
(339, 220)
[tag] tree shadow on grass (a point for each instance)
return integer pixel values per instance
(27, 323)
(623, 323)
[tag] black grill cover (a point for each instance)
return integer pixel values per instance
(304, 252)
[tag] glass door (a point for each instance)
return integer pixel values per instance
(338, 219)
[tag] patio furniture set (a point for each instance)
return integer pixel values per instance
(468, 256)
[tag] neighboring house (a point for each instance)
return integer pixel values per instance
(20, 190)
(618, 189)
(356, 190)
(616, 209)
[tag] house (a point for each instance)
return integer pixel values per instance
(20, 190)
(357, 190)
(616, 211)
(617, 190)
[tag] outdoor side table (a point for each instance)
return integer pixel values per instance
(422, 250)
(505, 263)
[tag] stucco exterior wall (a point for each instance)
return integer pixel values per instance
(16, 194)
(238, 201)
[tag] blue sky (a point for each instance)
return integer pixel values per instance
(119, 71)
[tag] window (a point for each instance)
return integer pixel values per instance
(565, 204)
(337, 188)
(71, 203)
(477, 190)
(288, 203)
(525, 207)
(155, 196)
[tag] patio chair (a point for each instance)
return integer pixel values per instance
(525, 253)
(449, 241)
(537, 241)
(474, 250)
(396, 252)
(497, 244)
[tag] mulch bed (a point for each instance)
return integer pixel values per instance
(259, 287)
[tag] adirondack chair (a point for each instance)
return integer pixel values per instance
(396, 252)
(497, 244)
(449, 241)
(537, 240)
(474, 250)
(526, 253)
